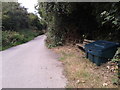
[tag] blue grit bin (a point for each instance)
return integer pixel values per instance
(100, 51)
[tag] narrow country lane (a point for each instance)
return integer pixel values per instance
(32, 65)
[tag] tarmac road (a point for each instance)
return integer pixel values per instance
(32, 65)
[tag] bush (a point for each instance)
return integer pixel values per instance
(13, 38)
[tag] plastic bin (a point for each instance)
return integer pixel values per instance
(100, 51)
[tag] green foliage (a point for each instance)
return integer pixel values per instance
(107, 16)
(72, 22)
(51, 14)
(13, 38)
(116, 57)
(15, 20)
(35, 22)
(15, 17)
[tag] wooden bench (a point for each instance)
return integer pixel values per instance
(81, 45)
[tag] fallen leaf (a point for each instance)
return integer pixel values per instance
(105, 84)
(78, 81)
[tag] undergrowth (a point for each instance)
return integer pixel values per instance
(13, 38)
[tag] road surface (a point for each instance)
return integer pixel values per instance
(32, 65)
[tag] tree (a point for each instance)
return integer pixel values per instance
(72, 22)
(35, 21)
(14, 16)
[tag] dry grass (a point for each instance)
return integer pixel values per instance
(81, 73)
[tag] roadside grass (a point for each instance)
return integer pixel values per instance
(81, 73)
(65, 55)
(13, 38)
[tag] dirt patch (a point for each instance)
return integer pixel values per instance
(82, 73)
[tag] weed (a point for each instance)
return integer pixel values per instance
(115, 81)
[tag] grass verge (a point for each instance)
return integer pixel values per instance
(81, 73)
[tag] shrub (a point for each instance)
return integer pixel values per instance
(11, 38)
